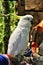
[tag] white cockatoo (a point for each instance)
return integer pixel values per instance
(19, 38)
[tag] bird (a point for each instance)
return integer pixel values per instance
(19, 38)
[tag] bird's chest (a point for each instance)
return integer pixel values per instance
(25, 32)
(24, 35)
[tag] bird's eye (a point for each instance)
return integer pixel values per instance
(28, 18)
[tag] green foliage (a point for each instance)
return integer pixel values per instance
(13, 21)
(1, 27)
(1, 33)
(14, 18)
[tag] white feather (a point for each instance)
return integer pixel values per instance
(18, 40)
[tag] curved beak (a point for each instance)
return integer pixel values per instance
(32, 21)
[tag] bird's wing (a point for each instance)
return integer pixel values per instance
(23, 43)
(14, 41)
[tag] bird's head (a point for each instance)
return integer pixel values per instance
(29, 18)
(26, 20)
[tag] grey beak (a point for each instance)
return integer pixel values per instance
(32, 21)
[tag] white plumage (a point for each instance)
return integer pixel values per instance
(18, 40)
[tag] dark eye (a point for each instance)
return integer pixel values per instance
(28, 18)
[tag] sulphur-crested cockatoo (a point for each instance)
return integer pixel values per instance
(19, 38)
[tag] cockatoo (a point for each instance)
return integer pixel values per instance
(19, 38)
